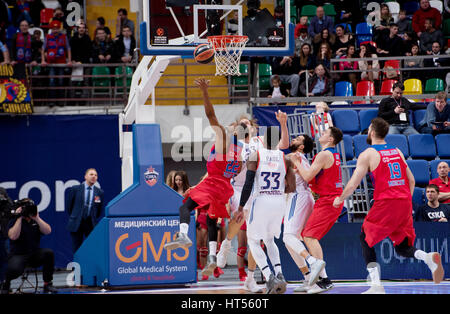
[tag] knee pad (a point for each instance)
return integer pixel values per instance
(242, 251)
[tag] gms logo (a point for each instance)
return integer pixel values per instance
(151, 176)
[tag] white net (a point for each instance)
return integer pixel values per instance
(228, 51)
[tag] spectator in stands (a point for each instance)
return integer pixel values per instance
(395, 110)
(58, 15)
(277, 90)
(425, 11)
(320, 22)
(320, 84)
(302, 24)
(343, 39)
(323, 37)
(5, 54)
(24, 10)
(36, 47)
(404, 24)
(306, 62)
(322, 112)
(81, 45)
(124, 46)
(385, 19)
(442, 181)
(56, 50)
(324, 56)
(233, 26)
(102, 47)
(21, 45)
(347, 12)
(350, 53)
(170, 177)
(303, 38)
(180, 182)
(436, 63)
(429, 36)
(367, 51)
(287, 69)
(122, 20)
(432, 211)
(100, 23)
(278, 14)
(409, 39)
(390, 45)
(437, 117)
(415, 63)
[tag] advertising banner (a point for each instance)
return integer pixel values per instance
(15, 98)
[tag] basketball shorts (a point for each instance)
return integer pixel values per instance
(389, 218)
(299, 207)
(323, 217)
(265, 217)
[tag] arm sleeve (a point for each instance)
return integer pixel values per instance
(248, 186)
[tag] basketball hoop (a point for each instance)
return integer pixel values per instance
(227, 53)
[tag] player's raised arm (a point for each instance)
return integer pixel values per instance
(290, 176)
(221, 136)
(362, 167)
(318, 164)
(282, 119)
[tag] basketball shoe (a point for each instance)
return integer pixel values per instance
(434, 263)
(181, 240)
(209, 268)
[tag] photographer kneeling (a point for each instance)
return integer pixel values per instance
(24, 231)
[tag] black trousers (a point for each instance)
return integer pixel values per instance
(82, 233)
(40, 257)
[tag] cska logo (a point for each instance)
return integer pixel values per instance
(151, 176)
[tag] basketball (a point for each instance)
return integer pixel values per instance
(203, 53)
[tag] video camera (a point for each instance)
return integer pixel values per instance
(29, 209)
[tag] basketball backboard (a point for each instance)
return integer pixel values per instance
(176, 27)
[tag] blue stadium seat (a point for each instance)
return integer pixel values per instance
(410, 7)
(363, 33)
(347, 120)
(443, 145)
(366, 116)
(419, 196)
(400, 141)
(420, 170)
(343, 89)
(433, 166)
(348, 146)
(417, 117)
(422, 146)
(360, 144)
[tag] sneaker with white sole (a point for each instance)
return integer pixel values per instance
(282, 284)
(209, 268)
(322, 285)
(272, 285)
(434, 263)
(223, 254)
(303, 288)
(251, 286)
(315, 269)
(375, 289)
(181, 240)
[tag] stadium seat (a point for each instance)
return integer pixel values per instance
(437, 5)
(400, 141)
(241, 81)
(366, 116)
(308, 10)
(413, 87)
(420, 170)
(360, 144)
(418, 116)
(347, 120)
(394, 9)
(343, 89)
(391, 65)
(433, 166)
(119, 80)
(411, 7)
(101, 83)
(443, 145)
(329, 9)
(434, 85)
(364, 88)
(363, 33)
(446, 28)
(46, 17)
(265, 71)
(419, 196)
(422, 146)
(348, 146)
(386, 87)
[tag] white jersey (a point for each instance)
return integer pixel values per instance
(254, 145)
(270, 174)
(302, 185)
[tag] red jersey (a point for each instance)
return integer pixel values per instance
(389, 178)
(224, 165)
(443, 187)
(329, 181)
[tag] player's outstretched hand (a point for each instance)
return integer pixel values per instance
(202, 83)
(281, 117)
(337, 202)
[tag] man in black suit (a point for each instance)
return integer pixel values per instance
(84, 205)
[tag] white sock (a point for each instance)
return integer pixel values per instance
(323, 274)
(420, 255)
(184, 228)
(267, 272)
(250, 274)
(374, 275)
(311, 259)
(226, 242)
(212, 248)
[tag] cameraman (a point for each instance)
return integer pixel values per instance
(25, 231)
(6, 205)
